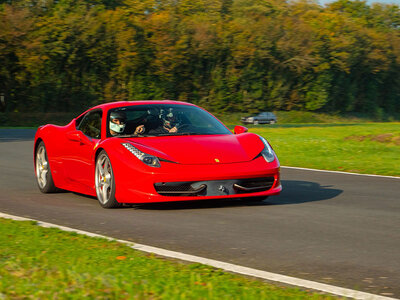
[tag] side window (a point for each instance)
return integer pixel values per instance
(91, 124)
(79, 120)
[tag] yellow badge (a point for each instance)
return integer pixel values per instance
(216, 160)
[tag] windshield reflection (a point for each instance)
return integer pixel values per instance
(162, 120)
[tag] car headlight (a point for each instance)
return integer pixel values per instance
(267, 152)
(148, 159)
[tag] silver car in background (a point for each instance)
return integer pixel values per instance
(261, 118)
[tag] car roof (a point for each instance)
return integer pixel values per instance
(112, 105)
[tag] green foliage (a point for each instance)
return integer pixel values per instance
(317, 94)
(227, 55)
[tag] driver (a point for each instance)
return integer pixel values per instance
(167, 123)
(170, 123)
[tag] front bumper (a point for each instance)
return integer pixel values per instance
(137, 183)
(214, 187)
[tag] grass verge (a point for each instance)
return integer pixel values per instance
(371, 148)
(299, 117)
(44, 263)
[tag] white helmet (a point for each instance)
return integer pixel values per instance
(121, 116)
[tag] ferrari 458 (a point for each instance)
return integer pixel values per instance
(154, 151)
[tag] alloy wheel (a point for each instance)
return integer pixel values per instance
(42, 167)
(104, 179)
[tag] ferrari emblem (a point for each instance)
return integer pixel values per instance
(216, 160)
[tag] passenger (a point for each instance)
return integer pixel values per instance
(118, 123)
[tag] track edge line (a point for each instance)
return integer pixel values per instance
(339, 291)
(340, 172)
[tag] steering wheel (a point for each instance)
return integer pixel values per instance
(182, 126)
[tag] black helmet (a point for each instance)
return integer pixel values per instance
(120, 115)
(169, 119)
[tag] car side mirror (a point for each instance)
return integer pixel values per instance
(74, 136)
(240, 129)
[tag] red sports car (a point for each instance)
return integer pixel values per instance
(154, 151)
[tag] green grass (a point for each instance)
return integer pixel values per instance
(299, 117)
(372, 148)
(47, 263)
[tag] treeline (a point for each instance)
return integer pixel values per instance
(225, 55)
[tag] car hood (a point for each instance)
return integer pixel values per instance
(204, 149)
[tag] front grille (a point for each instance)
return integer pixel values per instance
(179, 188)
(171, 187)
(254, 185)
(214, 187)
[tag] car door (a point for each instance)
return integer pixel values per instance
(81, 146)
(263, 118)
(271, 118)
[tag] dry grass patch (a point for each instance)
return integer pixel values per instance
(386, 138)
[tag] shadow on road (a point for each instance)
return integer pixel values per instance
(294, 192)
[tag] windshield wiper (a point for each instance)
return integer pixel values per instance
(164, 134)
(180, 133)
(190, 133)
(134, 135)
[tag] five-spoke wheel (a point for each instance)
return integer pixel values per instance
(104, 182)
(43, 172)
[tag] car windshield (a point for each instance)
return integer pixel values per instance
(163, 120)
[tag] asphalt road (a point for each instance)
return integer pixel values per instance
(333, 228)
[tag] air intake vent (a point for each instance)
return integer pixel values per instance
(214, 187)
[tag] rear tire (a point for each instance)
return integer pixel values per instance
(104, 182)
(44, 178)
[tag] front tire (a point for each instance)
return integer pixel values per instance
(42, 169)
(255, 122)
(104, 182)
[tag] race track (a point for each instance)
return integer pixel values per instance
(339, 229)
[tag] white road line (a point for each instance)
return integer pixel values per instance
(344, 292)
(340, 172)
